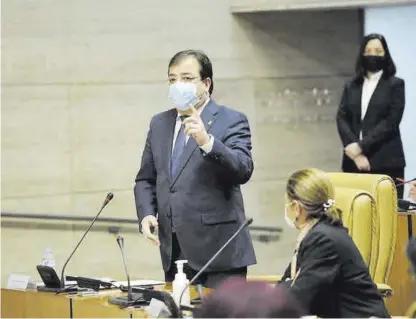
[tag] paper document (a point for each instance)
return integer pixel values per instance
(67, 283)
(141, 282)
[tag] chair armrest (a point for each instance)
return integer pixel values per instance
(411, 312)
(385, 290)
(268, 278)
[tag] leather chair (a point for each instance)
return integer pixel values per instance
(359, 216)
(383, 190)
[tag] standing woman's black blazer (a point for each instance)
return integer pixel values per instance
(381, 141)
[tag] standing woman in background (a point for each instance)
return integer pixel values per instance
(370, 113)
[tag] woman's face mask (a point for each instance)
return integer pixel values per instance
(374, 63)
(290, 221)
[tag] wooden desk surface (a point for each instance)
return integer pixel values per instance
(97, 306)
(34, 304)
(400, 279)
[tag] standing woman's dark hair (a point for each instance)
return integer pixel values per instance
(373, 63)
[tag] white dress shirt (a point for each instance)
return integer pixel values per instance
(207, 147)
(369, 86)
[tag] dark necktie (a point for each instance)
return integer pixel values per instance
(178, 148)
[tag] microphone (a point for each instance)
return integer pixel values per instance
(120, 242)
(209, 262)
(140, 296)
(403, 182)
(108, 198)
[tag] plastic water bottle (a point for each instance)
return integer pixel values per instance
(48, 259)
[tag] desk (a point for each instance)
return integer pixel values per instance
(400, 280)
(97, 306)
(34, 304)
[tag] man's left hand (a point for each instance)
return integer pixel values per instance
(195, 127)
(353, 150)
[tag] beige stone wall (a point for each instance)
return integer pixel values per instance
(277, 5)
(82, 78)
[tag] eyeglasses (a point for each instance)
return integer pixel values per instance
(185, 79)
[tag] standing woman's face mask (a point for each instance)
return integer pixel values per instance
(374, 56)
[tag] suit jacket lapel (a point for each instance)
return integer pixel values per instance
(169, 129)
(208, 117)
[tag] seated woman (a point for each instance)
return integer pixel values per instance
(237, 298)
(328, 274)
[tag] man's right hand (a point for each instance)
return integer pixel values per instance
(149, 227)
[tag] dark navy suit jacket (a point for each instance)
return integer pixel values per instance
(203, 201)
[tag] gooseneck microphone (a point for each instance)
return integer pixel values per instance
(141, 295)
(403, 182)
(120, 242)
(108, 198)
(209, 262)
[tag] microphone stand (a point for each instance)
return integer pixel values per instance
(120, 242)
(141, 294)
(209, 262)
(106, 201)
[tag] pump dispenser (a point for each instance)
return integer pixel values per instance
(179, 284)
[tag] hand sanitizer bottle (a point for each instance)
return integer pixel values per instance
(48, 259)
(179, 284)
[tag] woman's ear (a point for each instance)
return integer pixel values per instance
(297, 207)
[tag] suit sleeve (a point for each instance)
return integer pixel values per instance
(344, 122)
(145, 187)
(389, 125)
(318, 268)
(233, 153)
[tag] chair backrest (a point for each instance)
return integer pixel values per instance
(383, 190)
(358, 215)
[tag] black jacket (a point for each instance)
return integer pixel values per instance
(334, 280)
(381, 141)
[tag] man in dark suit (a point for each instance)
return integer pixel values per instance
(188, 187)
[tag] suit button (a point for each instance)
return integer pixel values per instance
(169, 214)
(172, 190)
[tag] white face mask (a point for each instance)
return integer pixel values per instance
(183, 95)
(290, 222)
